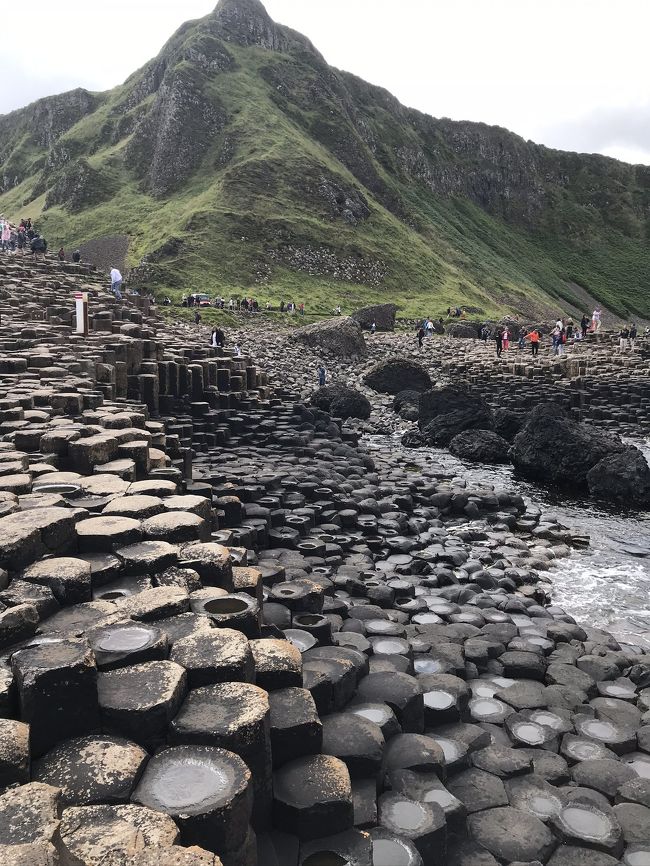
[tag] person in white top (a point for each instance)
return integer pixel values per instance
(116, 282)
(595, 319)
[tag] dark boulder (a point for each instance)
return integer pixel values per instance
(448, 410)
(352, 404)
(508, 423)
(480, 446)
(341, 401)
(397, 374)
(464, 329)
(623, 478)
(414, 439)
(407, 405)
(551, 446)
(340, 337)
(383, 315)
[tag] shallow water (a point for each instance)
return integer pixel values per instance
(605, 586)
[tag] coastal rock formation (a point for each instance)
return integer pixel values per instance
(448, 410)
(623, 477)
(552, 447)
(480, 446)
(398, 374)
(341, 401)
(340, 337)
(383, 315)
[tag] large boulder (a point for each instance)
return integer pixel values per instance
(551, 446)
(623, 478)
(463, 329)
(507, 423)
(397, 374)
(448, 410)
(341, 401)
(407, 405)
(480, 446)
(339, 337)
(383, 315)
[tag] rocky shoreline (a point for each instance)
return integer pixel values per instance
(230, 633)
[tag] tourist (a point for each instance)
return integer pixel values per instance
(76, 257)
(197, 318)
(338, 310)
(595, 319)
(282, 306)
(485, 333)
(322, 375)
(559, 324)
(237, 350)
(268, 306)
(522, 341)
(302, 309)
(569, 329)
(373, 327)
(623, 336)
(116, 283)
(555, 336)
(421, 335)
(584, 325)
(5, 235)
(217, 338)
(505, 337)
(21, 239)
(429, 328)
(499, 341)
(38, 246)
(633, 334)
(61, 254)
(533, 336)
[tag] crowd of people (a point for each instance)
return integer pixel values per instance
(241, 305)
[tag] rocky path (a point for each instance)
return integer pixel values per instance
(231, 635)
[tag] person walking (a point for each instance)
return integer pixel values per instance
(429, 327)
(584, 325)
(373, 328)
(322, 375)
(533, 336)
(556, 334)
(21, 239)
(61, 254)
(595, 319)
(5, 235)
(633, 333)
(76, 257)
(506, 338)
(623, 336)
(116, 283)
(499, 342)
(421, 335)
(197, 318)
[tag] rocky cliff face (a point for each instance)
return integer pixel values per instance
(322, 174)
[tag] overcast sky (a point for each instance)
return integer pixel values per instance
(568, 73)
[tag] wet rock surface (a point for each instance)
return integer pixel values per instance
(229, 632)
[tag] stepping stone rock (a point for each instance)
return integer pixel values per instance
(206, 790)
(582, 823)
(313, 797)
(296, 729)
(423, 824)
(478, 790)
(93, 769)
(14, 753)
(356, 741)
(29, 814)
(139, 702)
(215, 656)
(510, 835)
(68, 578)
(90, 833)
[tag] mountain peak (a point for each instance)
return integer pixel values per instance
(246, 22)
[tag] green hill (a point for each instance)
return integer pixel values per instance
(238, 162)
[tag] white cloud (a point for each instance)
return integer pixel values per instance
(558, 72)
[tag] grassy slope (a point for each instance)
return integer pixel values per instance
(458, 254)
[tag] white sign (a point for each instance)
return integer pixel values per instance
(81, 309)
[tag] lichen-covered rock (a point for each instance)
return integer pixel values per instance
(340, 337)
